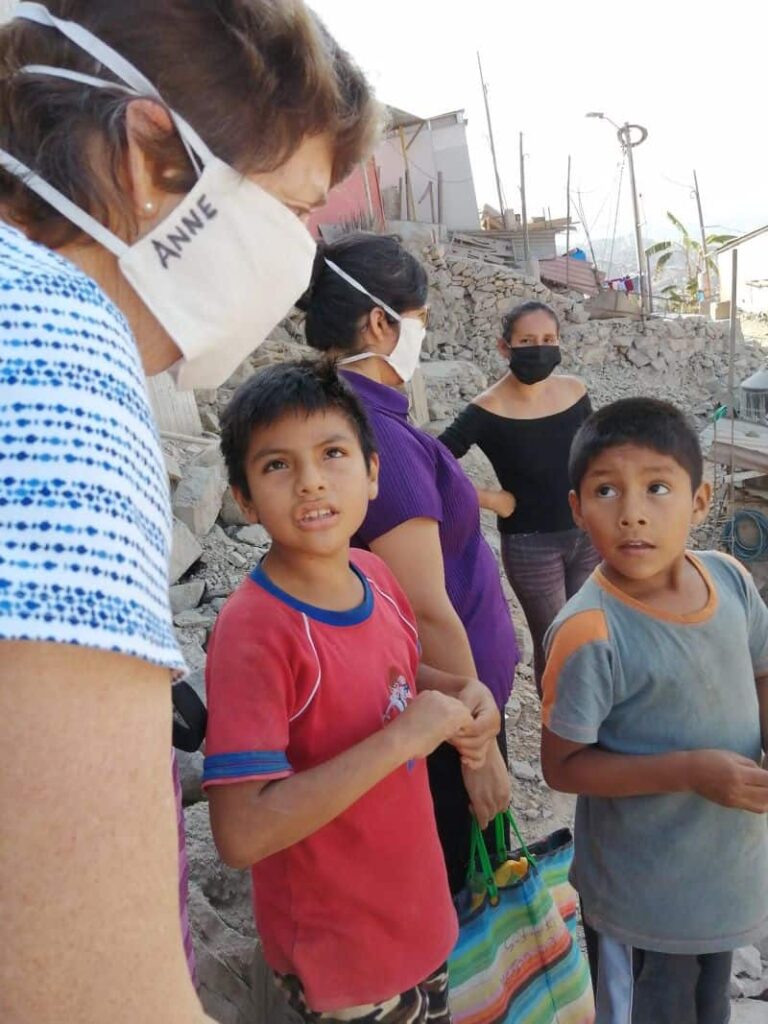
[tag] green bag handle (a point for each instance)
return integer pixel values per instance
(478, 851)
(501, 840)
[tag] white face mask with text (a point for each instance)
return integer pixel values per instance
(222, 269)
(404, 357)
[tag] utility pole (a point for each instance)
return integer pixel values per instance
(626, 141)
(524, 211)
(580, 211)
(707, 277)
(567, 223)
(502, 211)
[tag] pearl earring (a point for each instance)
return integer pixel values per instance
(149, 206)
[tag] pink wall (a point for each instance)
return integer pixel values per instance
(348, 199)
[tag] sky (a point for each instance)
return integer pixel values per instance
(695, 80)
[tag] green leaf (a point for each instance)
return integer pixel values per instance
(720, 239)
(662, 261)
(657, 247)
(678, 224)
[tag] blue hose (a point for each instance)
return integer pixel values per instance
(732, 535)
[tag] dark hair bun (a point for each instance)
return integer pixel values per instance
(303, 303)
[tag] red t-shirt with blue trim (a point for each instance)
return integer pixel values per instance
(360, 910)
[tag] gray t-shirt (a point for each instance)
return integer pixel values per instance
(675, 872)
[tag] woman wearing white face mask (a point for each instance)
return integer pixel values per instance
(367, 307)
(156, 159)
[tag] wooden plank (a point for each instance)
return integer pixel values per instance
(749, 449)
(174, 411)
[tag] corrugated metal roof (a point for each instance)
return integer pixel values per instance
(734, 243)
(575, 274)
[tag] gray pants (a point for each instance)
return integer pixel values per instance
(544, 570)
(637, 986)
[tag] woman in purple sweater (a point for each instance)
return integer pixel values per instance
(367, 308)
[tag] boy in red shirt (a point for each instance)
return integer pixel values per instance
(320, 717)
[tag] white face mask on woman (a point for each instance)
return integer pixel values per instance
(222, 269)
(404, 357)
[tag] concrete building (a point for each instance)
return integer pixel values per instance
(751, 271)
(428, 158)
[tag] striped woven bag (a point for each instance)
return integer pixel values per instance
(517, 960)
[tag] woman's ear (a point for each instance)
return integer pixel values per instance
(502, 346)
(381, 332)
(145, 119)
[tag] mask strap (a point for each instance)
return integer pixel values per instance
(198, 151)
(356, 284)
(65, 206)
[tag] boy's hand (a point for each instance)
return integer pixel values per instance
(729, 779)
(489, 788)
(474, 743)
(430, 719)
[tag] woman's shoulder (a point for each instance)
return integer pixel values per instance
(36, 276)
(86, 541)
(490, 400)
(571, 386)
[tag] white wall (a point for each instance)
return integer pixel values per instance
(752, 266)
(441, 145)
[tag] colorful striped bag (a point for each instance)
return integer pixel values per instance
(517, 960)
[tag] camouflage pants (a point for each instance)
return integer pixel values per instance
(426, 1003)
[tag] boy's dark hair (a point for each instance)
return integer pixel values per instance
(509, 319)
(379, 263)
(303, 387)
(645, 422)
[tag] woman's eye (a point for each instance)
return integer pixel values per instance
(335, 453)
(606, 491)
(659, 488)
(274, 464)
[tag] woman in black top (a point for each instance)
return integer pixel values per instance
(525, 423)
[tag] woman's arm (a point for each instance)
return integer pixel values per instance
(413, 553)
(89, 904)
(501, 502)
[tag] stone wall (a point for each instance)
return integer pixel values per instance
(683, 359)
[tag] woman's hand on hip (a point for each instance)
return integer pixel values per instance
(505, 503)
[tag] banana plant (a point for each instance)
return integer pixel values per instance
(684, 295)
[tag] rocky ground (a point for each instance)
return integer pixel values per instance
(682, 360)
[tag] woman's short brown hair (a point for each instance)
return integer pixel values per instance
(254, 77)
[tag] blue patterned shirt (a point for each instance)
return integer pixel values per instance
(85, 522)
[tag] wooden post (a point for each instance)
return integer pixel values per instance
(526, 240)
(567, 224)
(707, 276)
(410, 204)
(440, 201)
(432, 202)
(650, 282)
(367, 186)
(502, 211)
(732, 377)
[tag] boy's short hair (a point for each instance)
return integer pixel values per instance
(304, 387)
(644, 422)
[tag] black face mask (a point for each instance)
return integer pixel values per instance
(534, 363)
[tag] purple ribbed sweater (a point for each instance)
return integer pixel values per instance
(420, 478)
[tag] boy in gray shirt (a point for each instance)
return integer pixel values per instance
(655, 711)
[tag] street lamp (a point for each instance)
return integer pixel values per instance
(624, 133)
